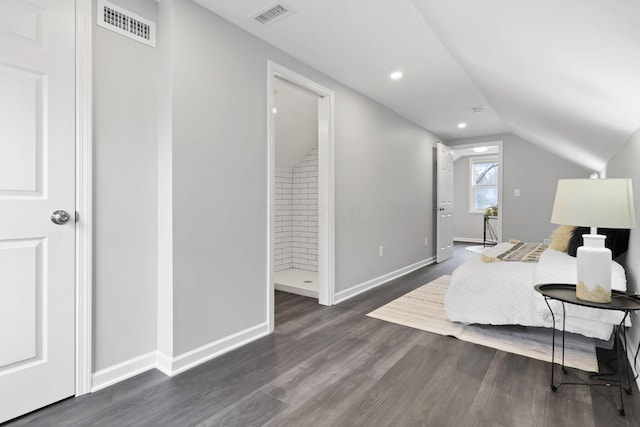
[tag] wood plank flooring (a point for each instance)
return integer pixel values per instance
(333, 366)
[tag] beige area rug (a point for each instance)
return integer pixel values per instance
(423, 309)
(477, 249)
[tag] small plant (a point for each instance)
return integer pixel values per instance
(491, 211)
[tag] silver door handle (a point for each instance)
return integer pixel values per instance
(60, 217)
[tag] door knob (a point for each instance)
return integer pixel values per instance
(60, 217)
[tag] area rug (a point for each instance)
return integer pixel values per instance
(476, 249)
(423, 309)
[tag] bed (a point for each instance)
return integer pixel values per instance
(502, 293)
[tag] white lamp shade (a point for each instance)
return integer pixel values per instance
(604, 203)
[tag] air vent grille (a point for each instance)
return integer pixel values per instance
(274, 13)
(126, 23)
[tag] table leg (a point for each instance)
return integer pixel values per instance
(553, 343)
(564, 316)
(621, 353)
(484, 233)
(624, 334)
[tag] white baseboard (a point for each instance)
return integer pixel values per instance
(122, 371)
(468, 240)
(163, 363)
(374, 283)
(295, 290)
(209, 351)
(173, 366)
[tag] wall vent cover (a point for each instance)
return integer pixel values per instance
(126, 23)
(273, 14)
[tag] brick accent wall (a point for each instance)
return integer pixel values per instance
(304, 213)
(282, 220)
(296, 215)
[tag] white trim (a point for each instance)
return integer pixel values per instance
(296, 290)
(326, 200)
(163, 363)
(122, 371)
(84, 199)
(209, 351)
(468, 240)
(165, 285)
(501, 189)
(500, 145)
(174, 366)
(271, 167)
(326, 184)
(374, 283)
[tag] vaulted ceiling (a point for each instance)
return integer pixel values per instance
(562, 74)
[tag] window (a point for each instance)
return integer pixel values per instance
(483, 191)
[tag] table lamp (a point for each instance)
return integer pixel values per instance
(594, 203)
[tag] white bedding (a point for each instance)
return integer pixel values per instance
(502, 293)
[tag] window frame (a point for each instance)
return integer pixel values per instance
(472, 185)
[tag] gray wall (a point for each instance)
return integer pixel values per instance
(125, 189)
(465, 225)
(535, 172)
(384, 190)
(383, 180)
(624, 164)
(219, 178)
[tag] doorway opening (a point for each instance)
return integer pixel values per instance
(478, 212)
(295, 244)
(301, 188)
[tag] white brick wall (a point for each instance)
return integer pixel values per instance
(304, 213)
(296, 215)
(282, 222)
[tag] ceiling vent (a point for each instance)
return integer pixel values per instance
(274, 13)
(126, 23)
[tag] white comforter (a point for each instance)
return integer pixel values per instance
(502, 293)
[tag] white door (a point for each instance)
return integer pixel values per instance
(37, 177)
(445, 202)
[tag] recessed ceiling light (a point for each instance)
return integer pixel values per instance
(396, 75)
(462, 125)
(480, 149)
(275, 110)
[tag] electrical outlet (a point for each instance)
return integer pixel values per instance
(516, 192)
(381, 251)
(426, 241)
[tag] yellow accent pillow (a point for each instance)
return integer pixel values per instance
(560, 237)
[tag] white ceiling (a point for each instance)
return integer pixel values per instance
(563, 74)
(296, 124)
(469, 152)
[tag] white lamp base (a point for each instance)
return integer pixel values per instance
(594, 270)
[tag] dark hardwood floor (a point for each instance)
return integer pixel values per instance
(333, 366)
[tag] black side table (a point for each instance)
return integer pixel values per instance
(620, 301)
(489, 236)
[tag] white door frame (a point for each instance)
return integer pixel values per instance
(326, 184)
(500, 175)
(84, 197)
